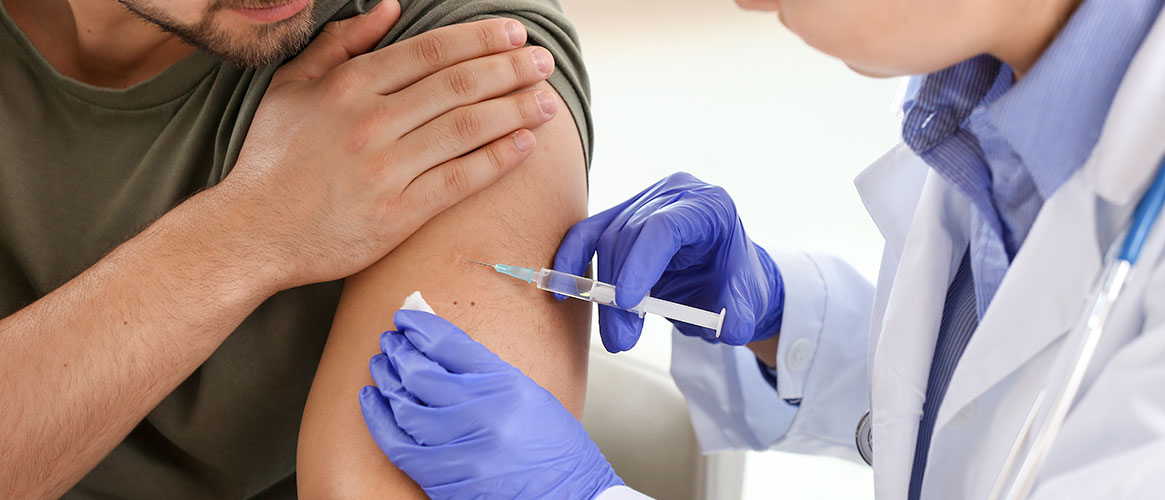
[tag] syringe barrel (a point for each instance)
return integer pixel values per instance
(604, 294)
(579, 287)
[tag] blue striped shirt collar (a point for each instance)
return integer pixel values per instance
(1052, 118)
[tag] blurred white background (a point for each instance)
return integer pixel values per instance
(735, 99)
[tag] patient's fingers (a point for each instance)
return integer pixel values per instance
(467, 128)
(469, 83)
(406, 62)
(439, 187)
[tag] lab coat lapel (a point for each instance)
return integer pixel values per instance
(1040, 298)
(890, 188)
(930, 255)
(1133, 138)
(1062, 255)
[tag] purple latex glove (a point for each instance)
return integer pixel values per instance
(466, 425)
(681, 240)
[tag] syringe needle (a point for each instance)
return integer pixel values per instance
(479, 263)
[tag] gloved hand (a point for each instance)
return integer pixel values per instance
(465, 424)
(683, 241)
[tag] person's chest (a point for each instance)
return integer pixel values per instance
(79, 175)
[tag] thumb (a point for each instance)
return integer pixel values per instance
(739, 322)
(340, 41)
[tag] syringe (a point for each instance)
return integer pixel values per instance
(590, 290)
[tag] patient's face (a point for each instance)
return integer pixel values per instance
(241, 32)
(890, 37)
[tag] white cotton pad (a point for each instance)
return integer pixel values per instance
(416, 302)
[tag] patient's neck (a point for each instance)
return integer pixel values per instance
(98, 42)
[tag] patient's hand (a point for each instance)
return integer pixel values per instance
(520, 220)
(350, 152)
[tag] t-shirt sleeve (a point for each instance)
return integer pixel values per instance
(545, 22)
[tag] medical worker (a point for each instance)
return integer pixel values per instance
(1035, 129)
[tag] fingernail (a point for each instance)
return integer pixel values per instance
(543, 61)
(547, 103)
(374, 7)
(517, 33)
(524, 140)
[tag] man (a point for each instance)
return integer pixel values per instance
(177, 205)
(1028, 141)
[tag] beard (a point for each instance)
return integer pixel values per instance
(264, 45)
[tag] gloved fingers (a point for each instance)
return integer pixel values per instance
(436, 426)
(619, 329)
(430, 426)
(740, 320)
(390, 339)
(385, 367)
(664, 233)
(457, 468)
(421, 378)
(385, 375)
(578, 246)
(381, 422)
(446, 344)
(695, 331)
(610, 254)
(768, 291)
(432, 385)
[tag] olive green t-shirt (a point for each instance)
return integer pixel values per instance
(84, 168)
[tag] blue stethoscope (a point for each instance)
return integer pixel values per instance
(1031, 446)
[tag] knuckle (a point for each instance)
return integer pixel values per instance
(467, 125)
(485, 35)
(332, 30)
(527, 107)
(430, 50)
(462, 82)
(377, 169)
(341, 82)
(392, 207)
(456, 180)
(608, 239)
(358, 137)
(495, 157)
(519, 64)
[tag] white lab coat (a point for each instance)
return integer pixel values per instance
(1112, 444)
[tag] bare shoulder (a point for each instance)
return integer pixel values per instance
(518, 220)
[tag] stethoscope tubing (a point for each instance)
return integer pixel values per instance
(1116, 275)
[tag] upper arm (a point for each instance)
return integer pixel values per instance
(518, 220)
